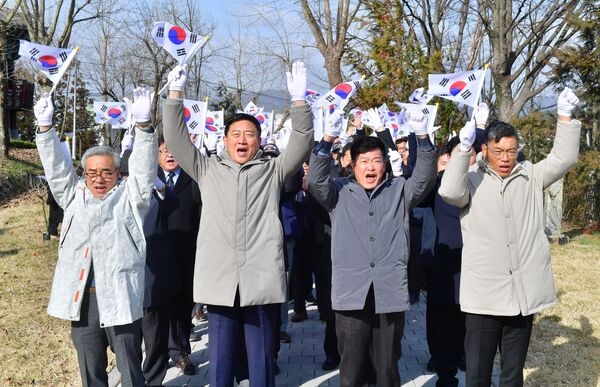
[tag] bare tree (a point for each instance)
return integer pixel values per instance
(330, 32)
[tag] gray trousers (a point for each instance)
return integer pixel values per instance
(364, 336)
(91, 342)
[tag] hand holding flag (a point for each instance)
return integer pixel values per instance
(44, 110)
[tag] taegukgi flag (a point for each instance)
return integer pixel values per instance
(462, 87)
(113, 113)
(430, 111)
(252, 109)
(339, 96)
(214, 123)
(180, 43)
(194, 115)
(51, 61)
(265, 119)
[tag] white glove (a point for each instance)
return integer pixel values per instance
(44, 110)
(126, 143)
(481, 113)
(159, 185)
(296, 81)
(210, 142)
(333, 126)
(142, 104)
(373, 119)
(177, 77)
(395, 162)
(567, 101)
(467, 136)
(417, 122)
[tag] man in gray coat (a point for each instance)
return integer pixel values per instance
(99, 279)
(369, 248)
(239, 271)
(506, 274)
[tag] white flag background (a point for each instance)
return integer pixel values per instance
(462, 87)
(252, 109)
(113, 113)
(180, 43)
(266, 125)
(429, 110)
(194, 114)
(51, 61)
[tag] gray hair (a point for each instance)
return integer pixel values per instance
(101, 150)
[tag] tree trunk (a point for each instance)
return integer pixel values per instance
(4, 129)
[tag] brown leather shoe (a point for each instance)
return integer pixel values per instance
(186, 365)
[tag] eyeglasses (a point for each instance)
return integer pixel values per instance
(511, 153)
(106, 174)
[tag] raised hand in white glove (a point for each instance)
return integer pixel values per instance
(177, 77)
(44, 110)
(142, 104)
(159, 185)
(333, 125)
(481, 113)
(372, 118)
(417, 122)
(567, 101)
(126, 143)
(395, 162)
(467, 136)
(296, 81)
(210, 142)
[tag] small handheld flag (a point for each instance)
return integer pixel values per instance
(53, 62)
(113, 113)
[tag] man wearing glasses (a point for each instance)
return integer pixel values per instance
(99, 279)
(506, 273)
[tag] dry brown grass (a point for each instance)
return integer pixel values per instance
(565, 345)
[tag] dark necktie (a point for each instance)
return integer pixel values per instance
(170, 180)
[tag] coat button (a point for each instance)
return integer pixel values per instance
(372, 264)
(372, 239)
(371, 213)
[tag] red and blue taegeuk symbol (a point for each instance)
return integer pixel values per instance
(48, 61)
(114, 112)
(210, 125)
(177, 35)
(457, 87)
(186, 114)
(343, 90)
(331, 109)
(260, 118)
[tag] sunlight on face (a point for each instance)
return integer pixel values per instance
(369, 169)
(242, 141)
(501, 155)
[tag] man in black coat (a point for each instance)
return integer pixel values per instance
(183, 226)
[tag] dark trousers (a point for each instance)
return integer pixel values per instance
(446, 328)
(155, 332)
(91, 342)
(259, 324)
(359, 332)
(180, 326)
(301, 273)
(485, 334)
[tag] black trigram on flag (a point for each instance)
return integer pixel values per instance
(356, 84)
(123, 107)
(181, 52)
(444, 82)
(425, 111)
(330, 98)
(34, 51)
(472, 78)
(63, 55)
(193, 125)
(193, 38)
(103, 108)
(195, 108)
(160, 32)
(53, 71)
(466, 94)
(121, 120)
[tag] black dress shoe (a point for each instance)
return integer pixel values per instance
(330, 364)
(297, 317)
(285, 337)
(186, 365)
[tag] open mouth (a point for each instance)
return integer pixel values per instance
(371, 177)
(242, 151)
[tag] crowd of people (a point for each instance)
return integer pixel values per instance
(151, 237)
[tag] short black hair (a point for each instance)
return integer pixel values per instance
(400, 140)
(366, 144)
(452, 143)
(241, 117)
(497, 130)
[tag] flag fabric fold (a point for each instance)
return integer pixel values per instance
(462, 87)
(194, 114)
